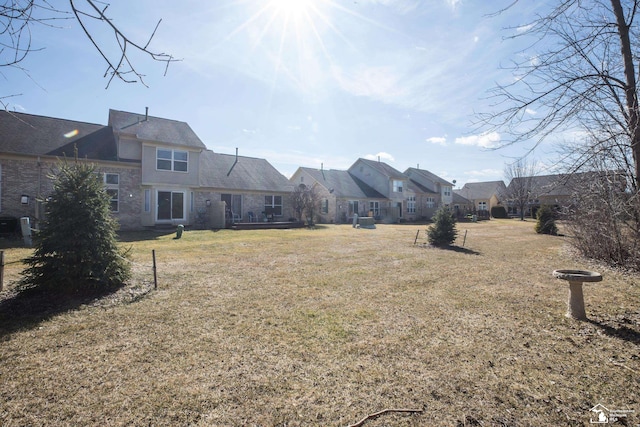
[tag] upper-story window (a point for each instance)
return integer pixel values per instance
(446, 191)
(397, 186)
(172, 160)
(431, 202)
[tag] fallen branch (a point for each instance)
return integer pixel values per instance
(624, 366)
(384, 411)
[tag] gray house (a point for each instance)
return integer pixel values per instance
(157, 171)
(341, 194)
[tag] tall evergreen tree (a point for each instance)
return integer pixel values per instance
(76, 247)
(443, 231)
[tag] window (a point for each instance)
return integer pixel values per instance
(375, 208)
(446, 191)
(353, 207)
(147, 200)
(411, 204)
(431, 202)
(482, 206)
(397, 186)
(172, 160)
(112, 184)
(324, 208)
(273, 205)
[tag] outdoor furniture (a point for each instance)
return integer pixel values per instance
(252, 217)
(575, 304)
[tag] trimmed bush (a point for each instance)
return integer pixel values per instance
(546, 223)
(498, 212)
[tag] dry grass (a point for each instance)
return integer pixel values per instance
(322, 327)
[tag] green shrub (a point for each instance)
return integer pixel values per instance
(498, 212)
(443, 230)
(546, 223)
(76, 247)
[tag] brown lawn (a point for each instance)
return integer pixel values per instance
(323, 327)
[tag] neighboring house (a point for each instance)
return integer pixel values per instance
(152, 169)
(341, 194)
(555, 190)
(389, 182)
(432, 192)
(251, 188)
(461, 206)
(483, 195)
(373, 188)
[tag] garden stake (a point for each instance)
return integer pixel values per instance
(465, 237)
(155, 277)
(416, 239)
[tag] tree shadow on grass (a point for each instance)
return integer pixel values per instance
(26, 309)
(617, 331)
(453, 249)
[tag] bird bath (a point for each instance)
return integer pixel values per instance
(575, 304)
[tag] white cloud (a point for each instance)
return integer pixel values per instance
(484, 173)
(531, 112)
(439, 140)
(381, 155)
(484, 140)
(454, 3)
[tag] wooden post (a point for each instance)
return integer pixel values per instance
(416, 239)
(1, 269)
(155, 276)
(465, 238)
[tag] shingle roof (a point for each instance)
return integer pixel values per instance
(156, 129)
(415, 185)
(421, 176)
(343, 184)
(248, 174)
(40, 136)
(383, 168)
(481, 190)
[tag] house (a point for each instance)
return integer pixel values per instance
(341, 194)
(251, 188)
(555, 190)
(373, 188)
(483, 195)
(157, 171)
(432, 191)
(389, 182)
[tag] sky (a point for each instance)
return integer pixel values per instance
(311, 83)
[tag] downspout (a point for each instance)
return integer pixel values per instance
(234, 163)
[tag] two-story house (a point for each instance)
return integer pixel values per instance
(433, 191)
(386, 180)
(156, 171)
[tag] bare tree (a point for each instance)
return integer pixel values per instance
(580, 75)
(305, 201)
(521, 190)
(19, 18)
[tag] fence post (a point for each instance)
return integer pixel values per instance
(1, 270)
(155, 276)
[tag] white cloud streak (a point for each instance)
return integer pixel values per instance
(485, 140)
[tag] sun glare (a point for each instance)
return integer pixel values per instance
(292, 9)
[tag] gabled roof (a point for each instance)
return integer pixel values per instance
(424, 178)
(551, 185)
(481, 190)
(419, 188)
(342, 184)
(248, 174)
(99, 145)
(382, 168)
(459, 200)
(41, 136)
(154, 129)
